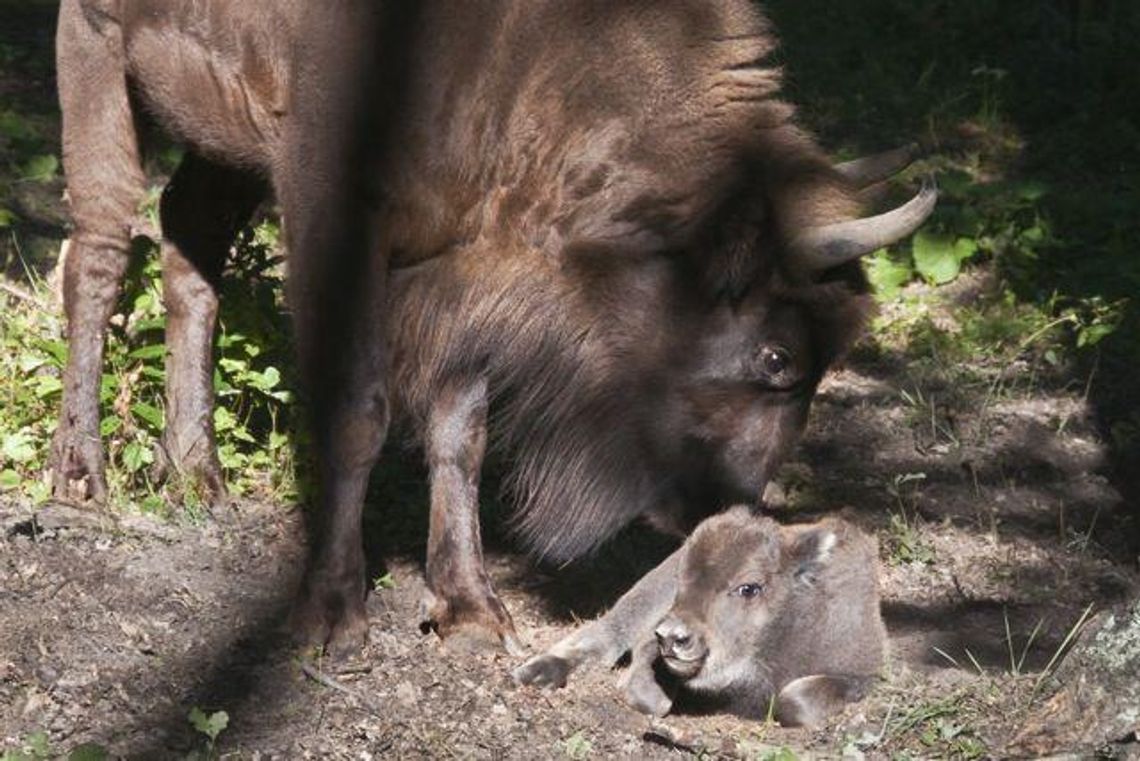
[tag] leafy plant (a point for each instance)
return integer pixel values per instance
(34, 748)
(209, 725)
(252, 381)
(576, 746)
(905, 543)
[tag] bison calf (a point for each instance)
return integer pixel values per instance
(759, 618)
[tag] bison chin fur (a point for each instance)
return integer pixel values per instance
(575, 403)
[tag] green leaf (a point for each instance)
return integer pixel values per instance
(152, 503)
(224, 420)
(110, 425)
(136, 455)
(154, 351)
(148, 413)
(1094, 334)
(57, 350)
(230, 458)
(9, 479)
(18, 447)
(15, 127)
(241, 433)
(29, 362)
(40, 168)
(88, 752)
(887, 276)
(6, 218)
(46, 385)
(37, 492)
(938, 258)
(1031, 190)
(211, 726)
(150, 323)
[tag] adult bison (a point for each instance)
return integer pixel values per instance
(595, 220)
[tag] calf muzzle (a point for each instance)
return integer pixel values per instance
(682, 648)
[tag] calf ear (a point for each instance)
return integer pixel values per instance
(812, 552)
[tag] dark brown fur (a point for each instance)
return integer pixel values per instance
(562, 221)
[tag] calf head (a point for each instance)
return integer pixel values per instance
(737, 578)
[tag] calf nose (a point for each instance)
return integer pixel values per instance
(673, 636)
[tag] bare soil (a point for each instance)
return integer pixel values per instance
(999, 523)
(112, 628)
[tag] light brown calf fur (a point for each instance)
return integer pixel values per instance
(756, 618)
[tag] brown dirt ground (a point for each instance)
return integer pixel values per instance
(113, 627)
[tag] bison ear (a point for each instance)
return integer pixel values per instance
(811, 553)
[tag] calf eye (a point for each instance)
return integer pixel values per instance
(748, 590)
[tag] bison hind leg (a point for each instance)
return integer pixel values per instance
(203, 208)
(105, 185)
(810, 700)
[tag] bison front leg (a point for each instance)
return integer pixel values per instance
(330, 181)
(344, 360)
(460, 600)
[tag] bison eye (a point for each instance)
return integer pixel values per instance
(748, 591)
(775, 361)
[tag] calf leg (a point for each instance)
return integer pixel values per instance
(203, 208)
(809, 700)
(606, 639)
(105, 185)
(460, 596)
(639, 683)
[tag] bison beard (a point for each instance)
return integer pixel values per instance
(588, 233)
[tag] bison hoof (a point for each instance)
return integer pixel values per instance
(543, 671)
(199, 474)
(339, 631)
(77, 467)
(471, 626)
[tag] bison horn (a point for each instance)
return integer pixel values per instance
(821, 248)
(868, 170)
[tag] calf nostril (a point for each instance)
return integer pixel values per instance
(672, 636)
